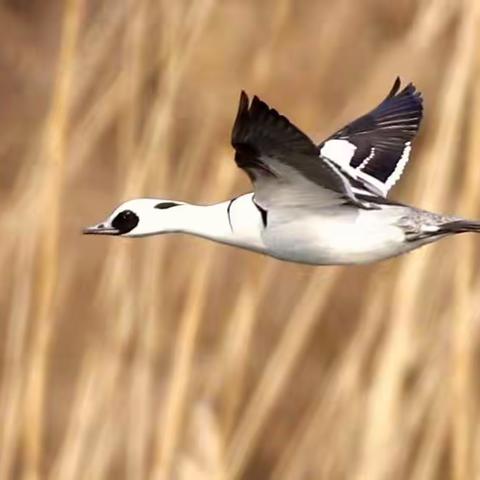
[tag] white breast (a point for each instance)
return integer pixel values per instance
(246, 224)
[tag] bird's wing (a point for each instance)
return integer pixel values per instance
(282, 162)
(375, 148)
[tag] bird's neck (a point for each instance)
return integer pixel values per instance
(234, 222)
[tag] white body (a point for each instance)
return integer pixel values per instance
(323, 237)
(326, 238)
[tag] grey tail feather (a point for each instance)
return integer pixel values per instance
(459, 226)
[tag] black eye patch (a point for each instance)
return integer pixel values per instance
(125, 221)
(164, 205)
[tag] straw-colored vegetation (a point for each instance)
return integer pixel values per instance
(172, 358)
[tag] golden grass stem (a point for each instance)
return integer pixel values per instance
(287, 352)
(182, 367)
(13, 378)
(335, 394)
(54, 154)
(462, 409)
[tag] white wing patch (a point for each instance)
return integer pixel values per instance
(341, 152)
(338, 151)
(397, 173)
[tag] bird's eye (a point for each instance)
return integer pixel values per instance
(125, 221)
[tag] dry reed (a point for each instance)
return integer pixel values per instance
(171, 358)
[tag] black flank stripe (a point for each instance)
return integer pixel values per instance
(263, 213)
(229, 206)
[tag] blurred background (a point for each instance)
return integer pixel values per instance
(175, 358)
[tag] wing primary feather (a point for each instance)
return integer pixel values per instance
(394, 89)
(282, 162)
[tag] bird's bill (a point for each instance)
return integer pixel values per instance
(100, 229)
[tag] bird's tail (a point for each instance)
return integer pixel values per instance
(460, 226)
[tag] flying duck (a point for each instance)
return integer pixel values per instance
(319, 204)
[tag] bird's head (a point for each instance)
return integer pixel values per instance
(138, 218)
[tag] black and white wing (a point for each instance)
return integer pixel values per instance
(283, 163)
(375, 148)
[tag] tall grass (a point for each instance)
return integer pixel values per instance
(173, 358)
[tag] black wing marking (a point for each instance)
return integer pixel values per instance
(260, 130)
(275, 152)
(377, 145)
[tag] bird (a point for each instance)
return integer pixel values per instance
(316, 204)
